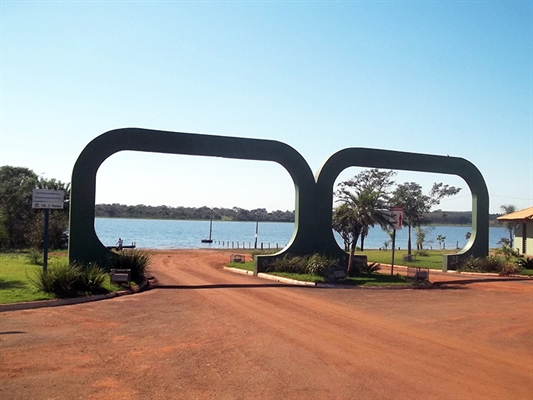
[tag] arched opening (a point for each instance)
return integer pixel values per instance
(165, 201)
(447, 224)
(84, 245)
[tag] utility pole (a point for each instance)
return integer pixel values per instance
(256, 228)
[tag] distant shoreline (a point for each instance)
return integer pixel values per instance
(431, 224)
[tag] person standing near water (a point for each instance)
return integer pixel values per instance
(119, 244)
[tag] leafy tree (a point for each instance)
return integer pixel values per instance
(4, 236)
(16, 185)
(509, 225)
(364, 203)
(415, 203)
(190, 213)
(21, 225)
(420, 234)
(442, 241)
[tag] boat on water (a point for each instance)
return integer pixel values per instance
(209, 240)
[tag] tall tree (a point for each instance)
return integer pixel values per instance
(415, 203)
(16, 184)
(509, 225)
(364, 203)
(22, 225)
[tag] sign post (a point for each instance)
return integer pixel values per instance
(396, 222)
(45, 199)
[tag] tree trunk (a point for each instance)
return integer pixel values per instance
(350, 259)
(355, 238)
(409, 240)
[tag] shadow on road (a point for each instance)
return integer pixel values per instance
(462, 282)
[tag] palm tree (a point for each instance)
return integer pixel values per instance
(364, 201)
(358, 212)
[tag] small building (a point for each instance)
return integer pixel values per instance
(523, 229)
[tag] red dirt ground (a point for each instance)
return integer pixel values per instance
(208, 333)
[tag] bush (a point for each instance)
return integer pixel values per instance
(370, 268)
(493, 264)
(526, 263)
(289, 264)
(91, 278)
(317, 265)
(422, 253)
(70, 280)
(35, 257)
(507, 252)
(321, 265)
(134, 260)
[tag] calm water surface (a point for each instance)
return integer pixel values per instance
(171, 234)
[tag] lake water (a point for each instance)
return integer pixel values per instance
(172, 234)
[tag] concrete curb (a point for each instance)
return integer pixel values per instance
(30, 305)
(454, 272)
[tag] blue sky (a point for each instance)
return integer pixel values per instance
(443, 77)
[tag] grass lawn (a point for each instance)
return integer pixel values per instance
(362, 280)
(15, 285)
(433, 260)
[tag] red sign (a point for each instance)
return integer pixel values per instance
(396, 214)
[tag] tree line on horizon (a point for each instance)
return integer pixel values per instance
(141, 211)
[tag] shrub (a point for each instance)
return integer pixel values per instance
(422, 253)
(494, 264)
(134, 260)
(526, 263)
(510, 269)
(317, 264)
(321, 265)
(91, 278)
(289, 264)
(370, 268)
(69, 280)
(507, 252)
(35, 257)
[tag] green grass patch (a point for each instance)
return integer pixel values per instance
(248, 266)
(299, 277)
(16, 271)
(431, 259)
(377, 280)
(14, 283)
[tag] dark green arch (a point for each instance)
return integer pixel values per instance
(84, 245)
(313, 208)
(477, 246)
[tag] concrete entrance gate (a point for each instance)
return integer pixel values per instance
(313, 196)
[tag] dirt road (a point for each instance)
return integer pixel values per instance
(208, 333)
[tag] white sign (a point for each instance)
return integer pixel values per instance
(396, 214)
(48, 199)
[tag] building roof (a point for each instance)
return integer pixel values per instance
(525, 214)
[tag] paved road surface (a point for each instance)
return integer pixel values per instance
(208, 333)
